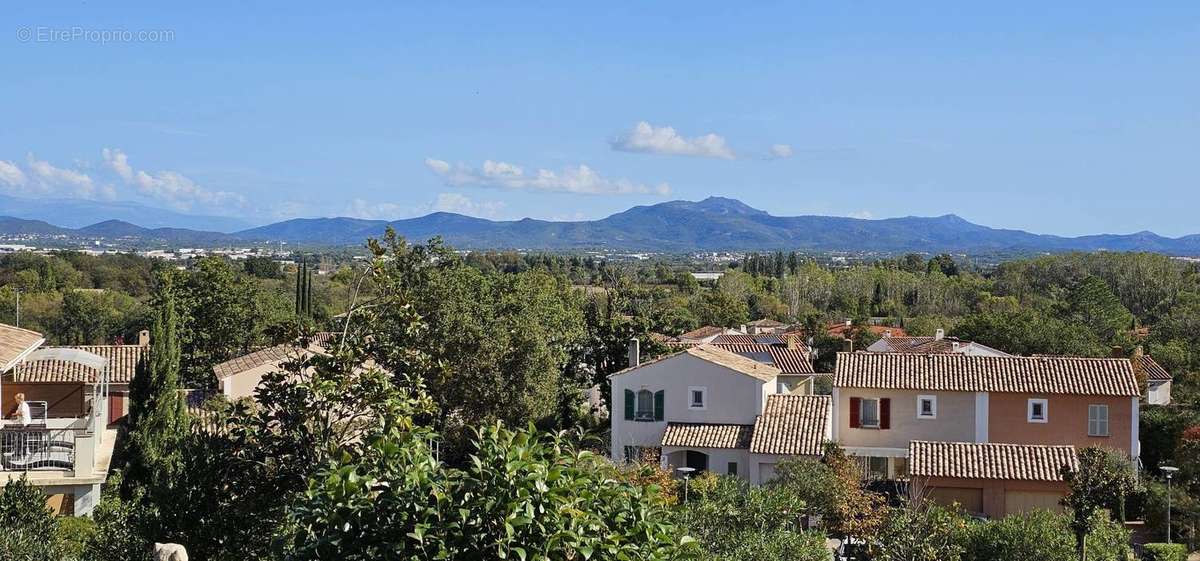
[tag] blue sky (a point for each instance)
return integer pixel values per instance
(1065, 118)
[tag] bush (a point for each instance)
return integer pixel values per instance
(925, 532)
(1045, 536)
(734, 521)
(74, 533)
(1165, 552)
(26, 524)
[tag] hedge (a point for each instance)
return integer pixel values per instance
(1165, 552)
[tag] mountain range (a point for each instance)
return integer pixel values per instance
(713, 224)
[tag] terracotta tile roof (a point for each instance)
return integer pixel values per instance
(766, 322)
(323, 338)
(966, 373)
(927, 345)
(122, 364)
(734, 361)
(740, 339)
(969, 460)
(792, 425)
(788, 361)
(15, 342)
(703, 332)
(1154, 370)
(269, 355)
(719, 356)
(840, 329)
(707, 435)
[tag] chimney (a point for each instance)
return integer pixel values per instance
(743, 328)
(848, 345)
(887, 334)
(939, 334)
(849, 322)
(144, 338)
(635, 355)
(792, 342)
(1117, 352)
(954, 347)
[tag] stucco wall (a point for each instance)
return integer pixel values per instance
(732, 397)
(955, 419)
(718, 459)
(994, 490)
(1067, 420)
(243, 384)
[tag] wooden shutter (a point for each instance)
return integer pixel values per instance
(855, 409)
(885, 413)
(630, 400)
(659, 404)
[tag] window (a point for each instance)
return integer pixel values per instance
(1097, 420)
(645, 406)
(926, 407)
(1036, 411)
(868, 413)
(697, 397)
(731, 468)
(900, 467)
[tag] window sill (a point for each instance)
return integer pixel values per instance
(926, 417)
(1038, 421)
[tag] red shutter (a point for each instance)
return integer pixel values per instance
(855, 407)
(885, 413)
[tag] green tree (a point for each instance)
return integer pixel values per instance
(262, 267)
(157, 418)
(924, 532)
(1102, 482)
(522, 495)
(27, 528)
(1093, 304)
(222, 318)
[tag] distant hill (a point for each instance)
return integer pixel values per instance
(714, 224)
(76, 213)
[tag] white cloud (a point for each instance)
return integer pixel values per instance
(781, 151)
(11, 175)
(863, 214)
(664, 140)
(119, 162)
(461, 204)
(169, 186)
(572, 179)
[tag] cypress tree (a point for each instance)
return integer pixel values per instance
(157, 416)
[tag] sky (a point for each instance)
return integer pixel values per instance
(1063, 118)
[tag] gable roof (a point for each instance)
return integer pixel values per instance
(968, 373)
(16, 343)
(766, 322)
(788, 361)
(1154, 371)
(270, 355)
(792, 425)
(718, 356)
(969, 460)
(703, 332)
(122, 365)
(707, 435)
(927, 345)
(743, 339)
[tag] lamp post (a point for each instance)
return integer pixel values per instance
(687, 474)
(1169, 471)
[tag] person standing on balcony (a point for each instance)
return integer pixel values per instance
(23, 415)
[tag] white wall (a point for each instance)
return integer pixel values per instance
(732, 397)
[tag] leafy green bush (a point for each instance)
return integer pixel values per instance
(1165, 552)
(734, 521)
(1045, 536)
(74, 533)
(927, 532)
(26, 524)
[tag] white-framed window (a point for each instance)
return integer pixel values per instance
(645, 406)
(926, 406)
(697, 397)
(868, 412)
(1097, 420)
(1036, 411)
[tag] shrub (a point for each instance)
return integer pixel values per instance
(734, 521)
(26, 524)
(74, 533)
(1045, 536)
(926, 532)
(1165, 552)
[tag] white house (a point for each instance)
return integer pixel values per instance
(703, 408)
(938, 344)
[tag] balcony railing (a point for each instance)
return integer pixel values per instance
(34, 448)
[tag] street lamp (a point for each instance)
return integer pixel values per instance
(1169, 471)
(687, 473)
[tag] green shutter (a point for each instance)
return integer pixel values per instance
(659, 404)
(629, 402)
